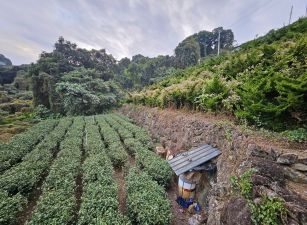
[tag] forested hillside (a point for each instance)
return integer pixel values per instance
(263, 82)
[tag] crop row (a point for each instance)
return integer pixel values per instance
(139, 133)
(146, 200)
(23, 143)
(17, 182)
(99, 200)
(58, 203)
(116, 151)
(145, 159)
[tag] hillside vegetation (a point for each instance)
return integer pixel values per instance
(263, 82)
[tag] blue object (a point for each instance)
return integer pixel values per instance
(184, 203)
(197, 208)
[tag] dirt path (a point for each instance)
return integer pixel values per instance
(79, 179)
(120, 179)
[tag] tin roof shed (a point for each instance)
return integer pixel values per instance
(190, 159)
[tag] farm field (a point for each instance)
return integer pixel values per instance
(83, 170)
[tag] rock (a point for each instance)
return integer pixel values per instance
(268, 168)
(287, 158)
(297, 213)
(302, 160)
(295, 175)
(259, 191)
(257, 151)
(260, 180)
(299, 167)
(236, 212)
(195, 220)
(292, 222)
(289, 196)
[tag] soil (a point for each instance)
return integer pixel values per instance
(32, 201)
(119, 177)
(299, 188)
(79, 184)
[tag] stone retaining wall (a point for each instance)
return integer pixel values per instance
(276, 165)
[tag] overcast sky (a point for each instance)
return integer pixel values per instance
(129, 27)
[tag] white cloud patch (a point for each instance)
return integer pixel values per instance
(126, 28)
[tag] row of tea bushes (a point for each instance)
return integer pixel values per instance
(58, 202)
(116, 151)
(145, 159)
(146, 200)
(21, 144)
(138, 133)
(99, 200)
(21, 179)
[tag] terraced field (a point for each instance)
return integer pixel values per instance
(83, 170)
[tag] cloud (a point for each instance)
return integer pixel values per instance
(126, 28)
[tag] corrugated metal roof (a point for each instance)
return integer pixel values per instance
(190, 159)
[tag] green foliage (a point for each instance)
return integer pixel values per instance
(298, 135)
(42, 112)
(84, 93)
(243, 184)
(21, 144)
(262, 83)
(57, 203)
(271, 211)
(146, 202)
(59, 154)
(213, 93)
(116, 151)
(10, 207)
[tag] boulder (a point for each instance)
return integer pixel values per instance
(295, 175)
(269, 169)
(287, 158)
(256, 151)
(260, 180)
(236, 212)
(300, 167)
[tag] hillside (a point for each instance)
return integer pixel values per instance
(262, 83)
(4, 61)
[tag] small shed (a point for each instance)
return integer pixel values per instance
(186, 161)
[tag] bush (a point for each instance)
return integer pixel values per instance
(298, 135)
(269, 211)
(146, 201)
(10, 207)
(213, 93)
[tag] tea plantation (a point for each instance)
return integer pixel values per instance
(62, 172)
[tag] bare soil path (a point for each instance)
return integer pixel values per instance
(119, 177)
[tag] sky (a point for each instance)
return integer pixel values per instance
(129, 27)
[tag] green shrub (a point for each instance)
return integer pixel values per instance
(298, 135)
(146, 201)
(270, 211)
(10, 207)
(213, 93)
